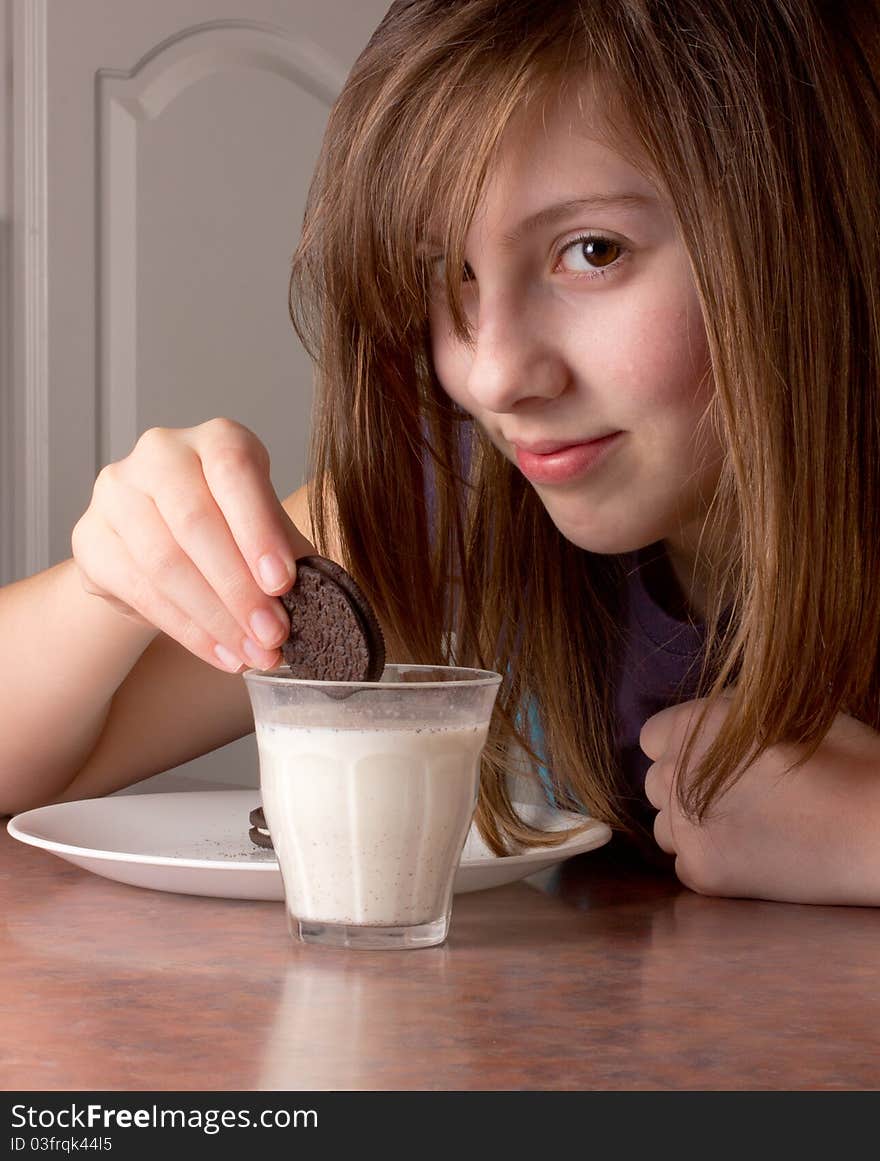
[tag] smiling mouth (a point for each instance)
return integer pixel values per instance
(563, 462)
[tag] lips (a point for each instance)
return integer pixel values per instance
(548, 446)
(554, 462)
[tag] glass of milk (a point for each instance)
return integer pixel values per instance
(369, 791)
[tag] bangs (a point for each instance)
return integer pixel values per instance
(424, 204)
(420, 147)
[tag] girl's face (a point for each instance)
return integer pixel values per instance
(587, 331)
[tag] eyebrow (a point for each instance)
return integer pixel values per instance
(551, 214)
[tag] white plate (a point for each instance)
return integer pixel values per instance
(197, 843)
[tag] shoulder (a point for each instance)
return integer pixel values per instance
(298, 507)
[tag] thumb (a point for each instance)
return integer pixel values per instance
(655, 733)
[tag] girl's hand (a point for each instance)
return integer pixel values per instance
(187, 535)
(809, 835)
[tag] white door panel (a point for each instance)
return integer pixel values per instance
(203, 158)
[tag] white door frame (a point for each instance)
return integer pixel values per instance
(24, 400)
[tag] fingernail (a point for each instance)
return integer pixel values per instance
(254, 653)
(273, 571)
(227, 658)
(266, 627)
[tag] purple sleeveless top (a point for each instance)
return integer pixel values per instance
(660, 665)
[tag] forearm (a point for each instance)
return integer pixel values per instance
(66, 653)
(843, 820)
(828, 852)
(807, 833)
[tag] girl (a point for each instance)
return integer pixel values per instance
(591, 286)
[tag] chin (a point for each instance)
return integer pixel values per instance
(606, 539)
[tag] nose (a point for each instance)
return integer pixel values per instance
(513, 361)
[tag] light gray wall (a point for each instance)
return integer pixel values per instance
(154, 162)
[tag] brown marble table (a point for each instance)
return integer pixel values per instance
(594, 975)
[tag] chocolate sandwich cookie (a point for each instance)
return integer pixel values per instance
(259, 832)
(334, 633)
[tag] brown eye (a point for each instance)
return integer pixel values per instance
(600, 251)
(591, 253)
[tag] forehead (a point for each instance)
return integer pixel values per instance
(563, 147)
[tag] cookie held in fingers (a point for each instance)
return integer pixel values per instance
(334, 633)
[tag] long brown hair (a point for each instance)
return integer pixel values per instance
(759, 121)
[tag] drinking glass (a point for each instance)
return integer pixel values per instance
(369, 791)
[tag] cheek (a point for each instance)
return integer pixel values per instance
(451, 360)
(661, 361)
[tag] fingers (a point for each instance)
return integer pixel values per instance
(188, 533)
(655, 733)
(206, 536)
(656, 787)
(663, 833)
(213, 615)
(112, 569)
(658, 793)
(236, 471)
(667, 731)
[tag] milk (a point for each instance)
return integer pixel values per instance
(368, 824)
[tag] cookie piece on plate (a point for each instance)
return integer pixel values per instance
(259, 832)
